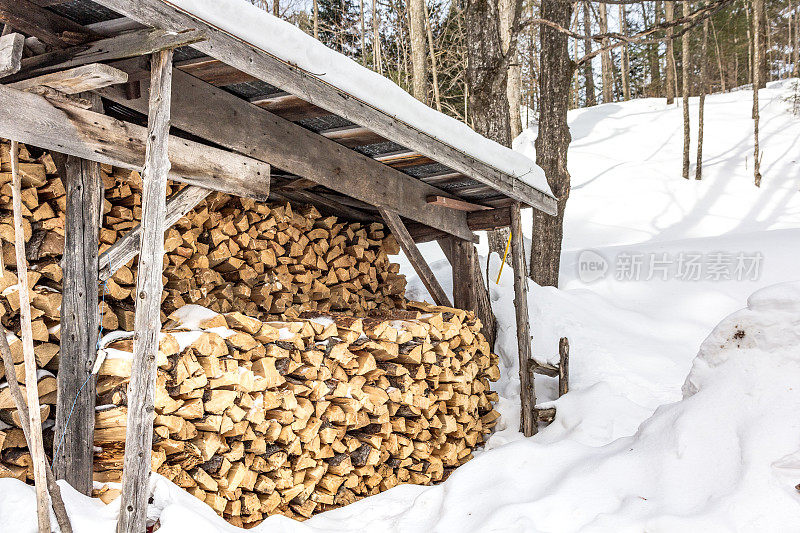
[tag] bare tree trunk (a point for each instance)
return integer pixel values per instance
(719, 57)
(419, 78)
(685, 94)
(652, 48)
(626, 66)
(669, 15)
(795, 43)
(434, 68)
(276, 8)
(758, 13)
(513, 86)
(698, 173)
(605, 57)
(588, 72)
(316, 20)
(553, 140)
(377, 61)
(363, 38)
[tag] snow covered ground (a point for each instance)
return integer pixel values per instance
(636, 445)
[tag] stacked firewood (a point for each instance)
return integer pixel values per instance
(301, 416)
(270, 261)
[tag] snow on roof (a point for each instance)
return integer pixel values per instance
(289, 43)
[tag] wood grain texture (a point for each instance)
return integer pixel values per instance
(129, 44)
(127, 247)
(80, 318)
(89, 135)
(139, 433)
(11, 46)
(264, 66)
(413, 254)
(527, 392)
(47, 26)
(35, 443)
(76, 80)
(563, 366)
(250, 130)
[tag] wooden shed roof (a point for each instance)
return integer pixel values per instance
(225, 77)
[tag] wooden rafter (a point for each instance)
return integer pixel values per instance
(76, 80)
(45, 25)
(129, 44)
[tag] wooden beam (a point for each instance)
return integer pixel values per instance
(147, 322)
(413, 254)
(453, 203)
(35, 444)
(100, 138)
(213, 71)
(286, 75)
(11, 46)
(80, 319)
(76, 80)
(129, 44)
(352, 136)
(47, 26)
(527, 392)
(489, 219)
(238, 125)
(127, 247)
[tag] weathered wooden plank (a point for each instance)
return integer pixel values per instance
(213, 71)
(453, 203)
(147, 322)
(11, 46)
(127, 247)
(100, 138)
(413, 254)
(35, 444)
(286, 75)
(47, 26)
(233, 123)
(527, 391)
(129, 44)
(289, 106)
(352, 136)
(76, 80)
(80, 320)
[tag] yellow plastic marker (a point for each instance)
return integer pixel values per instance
(505, 255)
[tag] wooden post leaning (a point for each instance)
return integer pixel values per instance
(527, 393)
(35, 442)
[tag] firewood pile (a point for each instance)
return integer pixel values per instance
(301, 416)
(318, 384)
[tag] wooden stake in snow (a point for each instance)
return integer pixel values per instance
(527, 393)
(24, 416)
(147, 323)
(35, 444)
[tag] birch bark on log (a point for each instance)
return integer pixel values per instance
(35, 444)
(147, 322)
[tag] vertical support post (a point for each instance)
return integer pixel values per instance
(563, 366)
(527, 393)
(80, 318)
(469, 289)
(147, 322)
(35, 444)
